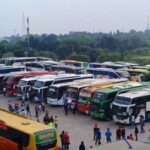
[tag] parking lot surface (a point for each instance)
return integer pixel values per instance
(79, 126)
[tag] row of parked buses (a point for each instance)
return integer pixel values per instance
(91, 96)
(106, 69)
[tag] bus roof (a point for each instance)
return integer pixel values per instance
(102, 69)
(37, 77)
(21, 123)
(60, 76)
(67, 66)
(19, 58)
(95, 82)
(137, 70)
(136, 93)
(71, 61)
(70, 83)
(121, 86)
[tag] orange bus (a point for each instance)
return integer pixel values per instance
(17, 132)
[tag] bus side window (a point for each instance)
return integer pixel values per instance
(15, 136)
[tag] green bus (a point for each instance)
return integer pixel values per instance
(101, 100)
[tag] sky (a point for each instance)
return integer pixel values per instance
(63, 16)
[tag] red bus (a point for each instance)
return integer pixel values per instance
(12, 81)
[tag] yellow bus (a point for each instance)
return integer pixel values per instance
(135, 73)
(75, 63)
(17, 132)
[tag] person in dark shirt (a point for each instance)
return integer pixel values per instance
(82, 146)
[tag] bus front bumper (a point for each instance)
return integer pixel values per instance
(95, 115)
(122, 121)
(83, 109)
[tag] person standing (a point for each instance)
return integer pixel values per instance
(66, 108)
(46, 118)
(36, 111)
(108, 135)
(94, 131)
(132, 121)
(136, 131)
(28, 110)
(62, 139)
(66, 141)
(73, 107)
(142, 123)
(98, 137)
(82, 146)
(56, 122)
(123, 133)
(118, 134)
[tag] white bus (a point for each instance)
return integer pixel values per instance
(40, 87)
(9, 69)
(111, 65)
(133, 103)
(41, 65)
(108, 73)
(26, 83)
(18, 60)
(56, 92)
(68, 69)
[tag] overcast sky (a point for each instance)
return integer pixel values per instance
(62, 16)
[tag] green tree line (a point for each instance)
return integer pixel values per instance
(84, 46)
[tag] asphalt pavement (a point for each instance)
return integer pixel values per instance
(79, 126)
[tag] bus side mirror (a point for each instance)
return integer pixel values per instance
(111, 105)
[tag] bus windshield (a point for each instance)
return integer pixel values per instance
(10, 79)
(83, 98)
(122, 100)
(52, 93)
(99, 96)
(38, 84)
(80, 71)
(45, 139)
(22, 83)
(72, 94)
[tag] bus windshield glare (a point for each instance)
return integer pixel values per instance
(22, 83)
(122, 100)
(83, 98)
(38, 84)
(52, 93)
(10, 79)
(99, 96)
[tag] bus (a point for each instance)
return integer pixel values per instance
(17, 132)
(40, 65)
(8, 69)
(132, 103)
(4, 77)
(86, 94)
(72, 92)
(102, 99)
(18, 60)
(25, 84)
(135, 73)
(12, 81)
(107, 73)
(75, 63)
(68, 69)
(41, 86)
(55, 93)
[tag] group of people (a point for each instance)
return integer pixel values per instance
(69, 106)
(97, 135)
(50, 120)
(21, 109)
(65, 140)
